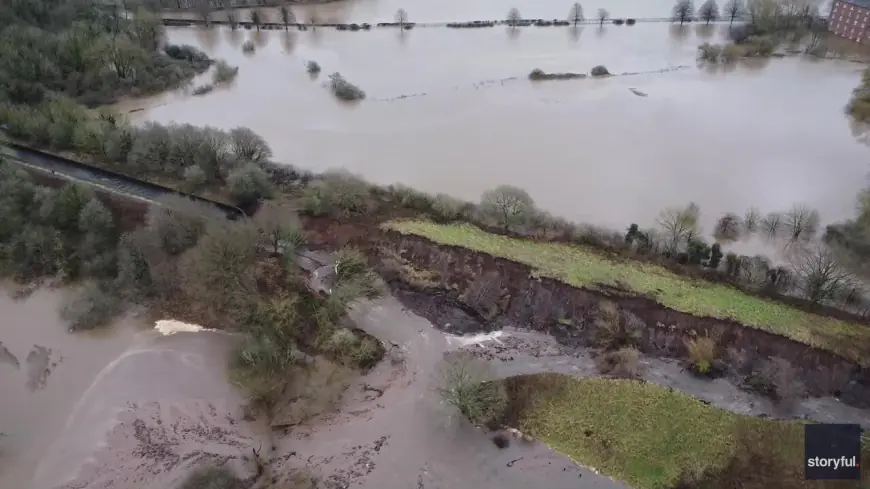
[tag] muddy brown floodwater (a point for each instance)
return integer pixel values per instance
(451, 111)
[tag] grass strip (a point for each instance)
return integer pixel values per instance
(585, 267)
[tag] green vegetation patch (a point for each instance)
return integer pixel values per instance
(584, 267)
(649, 436)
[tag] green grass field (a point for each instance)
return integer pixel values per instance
(648, 436)
(584, 267)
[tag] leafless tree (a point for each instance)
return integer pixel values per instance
(257, 18)
(683, 11)
(469, 384)
(514, 17)
(401, 18)
(232, 19)
(287, 16)
(734, 10)
(679, 225)
(576, 14)
(751, 220)
(248, 145)
(817, 32)
(709, 11)
(819, 273)
(801, 223)
(728, 228)
(603, 15)
(507, 204)
(772, 225)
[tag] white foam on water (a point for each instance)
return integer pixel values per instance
(474, 339)
(171, 326)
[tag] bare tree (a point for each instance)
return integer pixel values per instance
(817, 30)
(772, 225)
(734, 10)
(287, 16)
(232, 19)
(709, 11)
(248, 145)
(679, 225)
(802, 223)
(507, 204)
(401, 18)
(576, 14)
(819, 274)
(683, 11)
(256, 18)
(514, 17)
(728, 228)
(603, 15)
(751, 220)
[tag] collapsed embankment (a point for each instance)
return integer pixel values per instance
(494, 292)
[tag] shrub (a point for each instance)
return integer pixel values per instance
(211, 478)
(702, 354)
(709, 52)
(623, 363)
(249, 184)
(224, 73)
(614, 330)
(92, 308)
(248, 46)
(343, 89)
(469, 385)
(537, 74)
(409, 197)
(630, 21)
(312, 67)
(446, 208)
(194, 179)
(778, 379)
(600, 70)
(338, 195)
(203, 89)
(731, 53)
(759, 46)
(618, 21)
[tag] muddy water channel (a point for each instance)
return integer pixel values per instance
(451, 110)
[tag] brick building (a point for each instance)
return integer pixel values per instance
(850, 19)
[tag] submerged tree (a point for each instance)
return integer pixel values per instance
(401, 18)
(602, 15)
(257, 18)
(709, 11)
(514, 17)
(232, 19)
(734, 10)
(287, 16)
(683, 11)
(576, 14)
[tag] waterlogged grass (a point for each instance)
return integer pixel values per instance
(649, 436)
(584, 267)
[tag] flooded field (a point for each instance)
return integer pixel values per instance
(43, 372)
(452, 111)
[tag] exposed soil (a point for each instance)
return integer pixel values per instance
(496, 292)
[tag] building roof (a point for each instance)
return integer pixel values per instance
(859, 3)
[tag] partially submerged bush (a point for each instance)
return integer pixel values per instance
(731, 53)
(600, 70)
(538, 74)
(224, 73)
(312, 67)
(344, 89)
(709, 52)
(778, 379)
(211, 478)
(203, 89)
(248, 46)
(95, 306)
(469, 385)
(623, 363)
